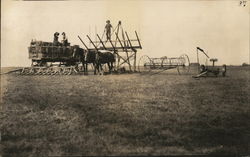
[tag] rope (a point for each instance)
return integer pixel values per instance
(115, 29)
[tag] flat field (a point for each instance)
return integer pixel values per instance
(127, 114)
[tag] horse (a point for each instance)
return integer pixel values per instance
(89, 56)
(75, 57)
(98, 58)
(104, 57)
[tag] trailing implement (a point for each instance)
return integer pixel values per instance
(209, 71)
(147, 64)
(51, 59)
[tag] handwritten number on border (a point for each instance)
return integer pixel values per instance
(243, 3)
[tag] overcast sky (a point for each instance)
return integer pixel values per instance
(166, 28)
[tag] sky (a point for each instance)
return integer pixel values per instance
(165, 27)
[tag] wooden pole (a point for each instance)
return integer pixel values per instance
(138, 39)
(198, 60)
(92, 43)
(101, 42)
(119, 41)
(116, 52)
(131, 46)
(135, 61)
(83, 43)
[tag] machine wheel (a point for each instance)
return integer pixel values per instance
(183, 64)
(145, 64)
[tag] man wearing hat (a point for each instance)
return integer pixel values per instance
(108, 30)
(56, 36)
(64, 40)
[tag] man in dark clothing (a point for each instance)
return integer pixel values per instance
(64, 40)
(108, 30)
(55, 42)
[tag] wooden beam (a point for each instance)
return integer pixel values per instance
(126, 61)
(135, 61)
(131, 46)
(83, 43)
(138, 39)
(119, 41)
(92, 43)
(114, 40)
(112, 45)
(101, 42)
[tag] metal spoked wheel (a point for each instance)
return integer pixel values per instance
(145, 64)
(183, 64)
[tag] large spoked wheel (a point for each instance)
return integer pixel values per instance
(183, 64)
(145, 64)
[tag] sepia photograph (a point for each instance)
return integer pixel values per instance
(125, 78)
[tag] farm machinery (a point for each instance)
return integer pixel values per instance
(49, 58)
(44, 55)
(120, 45)
(147, 64)
(209, 71)
(55, 58)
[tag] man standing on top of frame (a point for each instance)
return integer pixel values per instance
(108, 30)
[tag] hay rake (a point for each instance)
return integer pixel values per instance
(147, 64)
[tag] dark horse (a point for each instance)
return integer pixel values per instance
(88, 57)
(98, 58)
(105, 57)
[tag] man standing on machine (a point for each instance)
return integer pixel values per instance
(108, 30)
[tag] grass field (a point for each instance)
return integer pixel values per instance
(127, 114)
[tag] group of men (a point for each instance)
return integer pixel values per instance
(64, 39)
